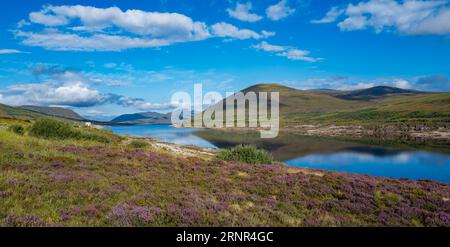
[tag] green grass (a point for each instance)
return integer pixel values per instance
(374, 116)
(17, 128)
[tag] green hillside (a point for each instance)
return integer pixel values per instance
(34, 112)
(373, 93)
(301, 101)
(54, 111)
(427, 109)
(378, 105)
(16, 112)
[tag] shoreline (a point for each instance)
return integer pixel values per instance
(431, 139)
(413, 133)
(388, 132)
(209, 153)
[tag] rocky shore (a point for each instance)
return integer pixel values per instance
(413, 133)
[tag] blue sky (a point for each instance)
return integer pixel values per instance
(112, 57)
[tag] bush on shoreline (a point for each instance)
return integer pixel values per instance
(52, 129)
(56, 129)
(246, 153)
(138, 144)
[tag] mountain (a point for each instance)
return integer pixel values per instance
(376, 105)
(33, 112)
(7, 111)
(98, 118)
(366, 94)
(376, 93)
(143, 117)
(54, 112)
(293, 101)
(296, 104)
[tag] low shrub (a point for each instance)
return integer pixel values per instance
(53, 129)
(246, 153)
(17, 128)
(56, 129)
(138, 144)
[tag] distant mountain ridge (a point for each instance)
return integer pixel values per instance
(54, 112)
(377, 93)
(143, 117)
(33, 112)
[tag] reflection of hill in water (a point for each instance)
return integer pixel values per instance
(375, 151)
(288, 145)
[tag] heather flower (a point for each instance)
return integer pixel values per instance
(12, 181)
(127, 214)
(60, 177)
(13, 220)
(65, 215)
(438, 219)
(72, 149)
(4, 194)
(92, 211)
(57, 164)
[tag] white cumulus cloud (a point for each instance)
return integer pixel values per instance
(86, 28)
(68, 88)
(412, 17)
(390, 82)
(223, 29)
(99, 42)
(279, 11)
(242, 12)
(164, 25)
(70, 94)
(291, 53)
(330, 16)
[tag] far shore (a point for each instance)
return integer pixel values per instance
(412, 134)
(357, 131)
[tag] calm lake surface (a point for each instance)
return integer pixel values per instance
(312, 152)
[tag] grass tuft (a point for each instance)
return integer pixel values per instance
(17, 128)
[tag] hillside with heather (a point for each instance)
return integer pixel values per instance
(85, 177)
